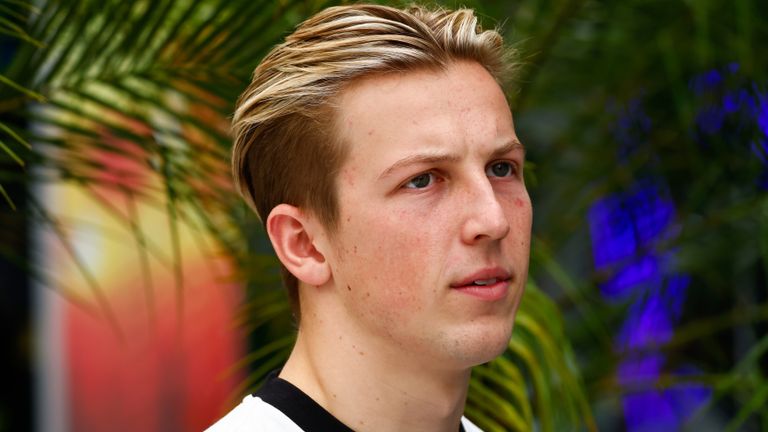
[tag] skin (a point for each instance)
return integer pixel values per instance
(431, 193)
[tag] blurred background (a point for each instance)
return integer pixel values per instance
(137, 292)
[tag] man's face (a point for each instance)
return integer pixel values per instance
(431, 254)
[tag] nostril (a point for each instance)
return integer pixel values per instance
(492, 228)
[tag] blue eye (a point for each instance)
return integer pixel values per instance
(420, 181)
(500, 169)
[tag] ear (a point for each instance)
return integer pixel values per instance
(290, 232)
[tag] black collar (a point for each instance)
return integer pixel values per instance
(299, 407)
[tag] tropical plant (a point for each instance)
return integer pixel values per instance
(658, 103)
(646, 122)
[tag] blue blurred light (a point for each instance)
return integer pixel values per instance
(613, 237)
(648, 325)
(762, 182)
(730, 102)
(627, 279)
(743, 109)
(624, 229)
(710, 120)
(706, 81)
(645, 409)
(675, 293)
(762, 112)
(687, 397)
(640, 370)
(652, 213)
(664, 409)
(649, 411)
(712, 78)
(628, 229)
(760, 149)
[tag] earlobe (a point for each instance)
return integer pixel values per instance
(288, 230)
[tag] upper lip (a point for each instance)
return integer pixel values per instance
(497, 273)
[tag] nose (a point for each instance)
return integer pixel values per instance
(485, 215)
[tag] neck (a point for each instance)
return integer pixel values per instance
(370, 387)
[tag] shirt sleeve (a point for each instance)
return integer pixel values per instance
(254, 414)
(469, 426)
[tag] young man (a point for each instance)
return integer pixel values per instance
(378, 148)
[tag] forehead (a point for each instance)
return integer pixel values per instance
(459, 109)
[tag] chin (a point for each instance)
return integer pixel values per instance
(492, 351)
(483, 345)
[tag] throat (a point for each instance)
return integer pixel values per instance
(371, 395)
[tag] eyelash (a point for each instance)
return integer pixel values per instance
(513, 172)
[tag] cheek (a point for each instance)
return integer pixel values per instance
(521, 220)
(388, 261)
(520, 208)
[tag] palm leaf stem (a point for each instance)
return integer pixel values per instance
(47, 281)
(7, 198)
(542, 256)
(29, 93)
(101, 299)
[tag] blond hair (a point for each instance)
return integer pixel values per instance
(285, 146)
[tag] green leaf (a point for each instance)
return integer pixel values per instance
(11, 153)
(7, 81)
(757, 403)
(7, 198)
(15, 136)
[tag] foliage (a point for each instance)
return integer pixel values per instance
(152, 83)
(674, 92)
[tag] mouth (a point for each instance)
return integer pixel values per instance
(489, 284)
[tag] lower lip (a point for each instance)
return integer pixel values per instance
(493, 292)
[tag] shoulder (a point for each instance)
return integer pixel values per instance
(469, 426)
(253, 412)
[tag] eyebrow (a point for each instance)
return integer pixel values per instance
(508, 147)
(433, 158)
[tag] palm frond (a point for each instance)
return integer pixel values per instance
(151, 84)
(536, 380)
(113, 70)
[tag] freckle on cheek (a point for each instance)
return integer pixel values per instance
(518, 202)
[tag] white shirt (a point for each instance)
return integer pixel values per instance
(253, 414)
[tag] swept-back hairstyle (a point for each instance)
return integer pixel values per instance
(286, 149)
